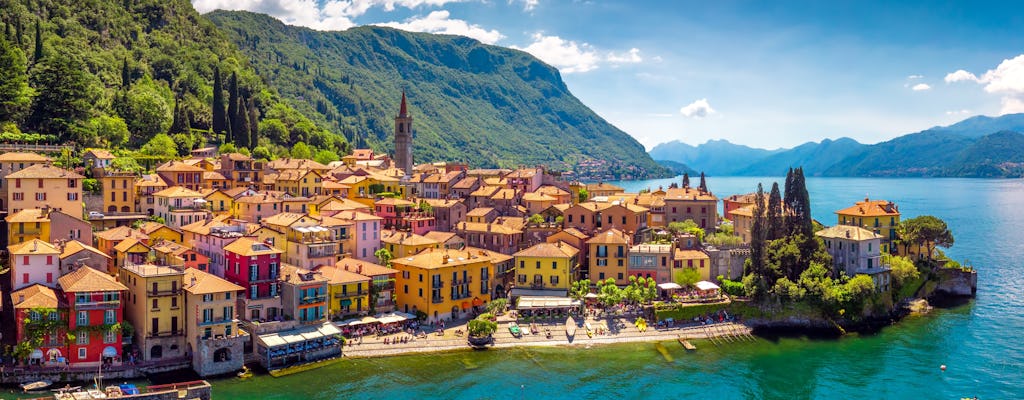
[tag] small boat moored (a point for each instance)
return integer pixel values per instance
(37, 385)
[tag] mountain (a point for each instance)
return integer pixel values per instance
(998, 155)
(815, 158)
(716, 157)
(982, 125)
(483, 104)
(117, 73)
(919, 154)
(677, 168)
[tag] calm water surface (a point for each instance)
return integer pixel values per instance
(981, 342)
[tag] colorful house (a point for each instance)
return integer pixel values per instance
(12, 162)
(367, 229)
(879, 216)
(28, 224)
(303, 295)
(382, 278)
(177, 255)
(855, 251)
(156, 309)
(180, 206)
(178, 173)
(694, 204)
(348, 292)
(445, 284)
(110, 238)
(609, 251)
(35, 307)
(94, 317)
(45, 184)
(32, 262)
(213, 339)
(547, 266)
(157, 232)
(75, 254)
(118, 191)
(256, 267)
(404, 244)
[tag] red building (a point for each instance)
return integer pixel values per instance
(94, 316)
(35, 307)
(255, 266)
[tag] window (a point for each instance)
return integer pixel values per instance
(207, 315)
(83, 318)
(109, 318)
(155, 304)
(110, 336)
(81, 353)
(40, 196)
(554, 279)
(73, 196)
(174, 302)
(18, 197)
(207, 298)
(17, 183)
(538, 264)
(227, 296)
(83, 339)
(40, 183)
(522, 278)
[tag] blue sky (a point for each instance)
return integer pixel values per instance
(765, 74)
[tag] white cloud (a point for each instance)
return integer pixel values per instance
(528, 5)
(955, 112)
(960, 75)
(920, 86)
(439, 22)
(566, 55)
(630, 57)
(697, 109)
(1006, 79)
(328, 15)
(915, 77)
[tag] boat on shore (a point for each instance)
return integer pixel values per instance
(33, 386)
(188, 390)
(570, 327)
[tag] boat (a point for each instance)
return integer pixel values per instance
(514, 329)
(245, 373)
(37, 385)
(687, 345)
(570, 327)
(590, 330)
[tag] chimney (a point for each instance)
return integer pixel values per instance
(193, 281)
(35, 246)
(359, 269)
(345, 267)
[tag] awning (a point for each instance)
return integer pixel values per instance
(530, 302)
(364, 320)
(53, 353)
(390, 318)
(109, 351)
(669, 286)
(346, 302)
(36, 354)
(705, 285)
(477, 302)
(591, 296)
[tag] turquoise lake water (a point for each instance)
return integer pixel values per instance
(981, 343)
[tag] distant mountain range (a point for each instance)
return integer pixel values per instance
(984, 147)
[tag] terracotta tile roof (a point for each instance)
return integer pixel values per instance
(120, 233)
(560, 249)
(576, 233)
(202, 227)
(522, 173)
(329, 184)
(603, 187)
(331, 221)
(213, 176)
(406, 239)
(486, 191)
(855, 233)
(552, 191)
(299, 276)
(357, 216)
(364, 268)
(440, 237)
(35, 296)
(73, 247)
(261, 198)
(149, 227)
(869, 208)
(682, 254)
(178, 191)
(34, 246)
(127, 244)
(504, 194)
(339, 276)
(44, 171)
(282, 164)
(611, 236)
(538, 197)
(237, 157)
(395, 202)
(466, 183)
(235, 192)
(248, 247)
(16, 156)
(481, 227)
(441, 203)
(436, 258)
(480, 212)
(345, 205)
(28, 215)
(100, 154)
(286, 219)
(150, 180)
(201, 282)
(86, 279)
(148, 270)
(690, 194)
(169, 247)
(488, 172)
(178, 166)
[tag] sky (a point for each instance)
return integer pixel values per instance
(763, 74)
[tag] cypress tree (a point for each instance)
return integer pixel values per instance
(776, 227)
(181, 123)
(126, 76)
(232, 108)
(7, 31)
(38, 55)
(219, 123)
(254, 128)
(806, 225)
(240, 127)
(788, 197)
(686, 180)
(757, 241)
(19, 31)
(703, 184)
(14, 90)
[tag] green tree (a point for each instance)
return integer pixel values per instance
(686, 180)
(179, 123)
(480, 326)
(220, 124)
(65, 96)
(148, 111)
(383, 256)
(126, 76)
(261, 153)
(926, 231)
(160, 145)
(325, 157)
(240, 125)
(776, 228)
(232, 133)
(703, 183)
(15, 94)
(253, 124)
(274, 130)
(687, 277)
(38, 54)
(579, 289)
(227, 148)
(183, 143)
(902, 269)
(536, 219)
(608, 293)
(112, 131)
(758, 235)
(583, 195)
(687, 226)
(301, 150)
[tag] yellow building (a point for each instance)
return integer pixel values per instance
(299, 182)
(878, 216)
(118, 191)
(157, 231)
(609, 253)
(12, 162)
(40, 185)
(218, 201)
(404, 244)
(546, 266)
(348, 293)
(694, 259)
(28, 224)
(445, 284)
(155, 309)
(214, 340)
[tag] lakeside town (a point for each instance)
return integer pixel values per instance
(220, 260)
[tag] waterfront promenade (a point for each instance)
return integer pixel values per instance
(616, 329)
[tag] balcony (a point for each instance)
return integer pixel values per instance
(461, 296)
(436, 300)
(313, 299)
(94, 305)
(384, 287)
(193, 207)
(164, 292)
(468, 279)
(357, 293)
(165, 334)
(220, 321)
(437, 284)
(537, 285)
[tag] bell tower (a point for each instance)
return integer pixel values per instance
(403, 139)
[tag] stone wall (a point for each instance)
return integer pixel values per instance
(21, 375)
(205, 360)
(728, 262)
(956, 282)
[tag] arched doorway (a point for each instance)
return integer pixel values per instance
(125, 209)
(112, 209)
(156, 352)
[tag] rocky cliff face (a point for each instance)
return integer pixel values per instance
(955, 282)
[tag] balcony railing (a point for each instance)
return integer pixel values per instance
(166, 333)
(436, 300)
(350, 294)
(91, 305)
(314, 299)
(220, 321)
(165, 292)
(464, 295)
(457, 282)
(537, 285)
(193, 207)
(437, 284)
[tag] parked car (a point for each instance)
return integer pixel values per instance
(95, 215)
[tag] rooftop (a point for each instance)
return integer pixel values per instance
(201, 282)
(560, 249)
(44, 171)
(86, 279)
(249, 247)
(443, 258)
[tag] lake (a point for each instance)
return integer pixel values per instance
(982, 343)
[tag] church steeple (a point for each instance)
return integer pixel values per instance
(403, 138)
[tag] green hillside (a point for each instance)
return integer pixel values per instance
(118, 73)
(486, 105)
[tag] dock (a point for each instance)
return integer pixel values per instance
(687, 345)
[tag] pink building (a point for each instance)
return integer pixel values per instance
(34, 261)
(255, 266)
(256, 207)
(366, 229)
(210, 237)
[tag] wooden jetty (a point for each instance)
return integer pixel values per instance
(687, 345)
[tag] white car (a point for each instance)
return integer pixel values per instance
(95, 214)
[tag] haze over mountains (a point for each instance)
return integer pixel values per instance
(979, 146)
